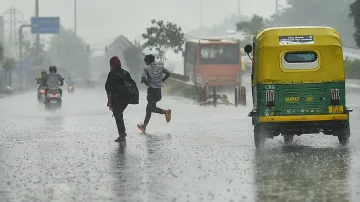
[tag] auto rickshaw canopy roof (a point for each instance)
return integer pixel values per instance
(272, 44)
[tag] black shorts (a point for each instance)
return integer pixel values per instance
(154, 95)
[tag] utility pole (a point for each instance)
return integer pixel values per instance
(75, 17)
(14, 17)
(37, 35)
(276, 6)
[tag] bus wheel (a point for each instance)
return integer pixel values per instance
(288, 138)
(343, 134)
(259, 136)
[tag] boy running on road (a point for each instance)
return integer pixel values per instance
(153, 78)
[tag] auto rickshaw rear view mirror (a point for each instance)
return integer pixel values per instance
(248, 49)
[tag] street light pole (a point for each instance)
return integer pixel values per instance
(37, 35)
(75, 17)
(238, 8)
(276, 6)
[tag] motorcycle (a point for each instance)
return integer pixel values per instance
(41, 94)
(53, 99)
(70, 88)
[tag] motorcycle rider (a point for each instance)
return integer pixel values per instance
(52, 80)
(41, 80)
(43, 73)
(69, 81)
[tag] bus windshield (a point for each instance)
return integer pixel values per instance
(219, 54)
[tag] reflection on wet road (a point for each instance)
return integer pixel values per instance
(203, 154)
(299, 173)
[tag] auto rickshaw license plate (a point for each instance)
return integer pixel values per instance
(336, 109)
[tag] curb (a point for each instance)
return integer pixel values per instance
(4, 95)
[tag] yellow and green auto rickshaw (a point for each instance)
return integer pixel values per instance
(298, 84)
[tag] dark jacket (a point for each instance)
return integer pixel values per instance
(41, 81)
(54, 80)
(115, 85)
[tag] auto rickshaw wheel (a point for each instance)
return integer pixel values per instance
(259, 136)
(343, 134)
(288, 138)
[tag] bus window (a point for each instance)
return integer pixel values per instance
(219, 54)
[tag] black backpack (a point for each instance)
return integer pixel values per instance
(129, 89)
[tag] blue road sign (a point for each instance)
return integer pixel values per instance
(45, 25)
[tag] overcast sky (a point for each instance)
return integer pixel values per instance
(101, 20)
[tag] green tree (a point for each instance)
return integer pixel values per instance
(333, 13)
(251, 27)
(162, 37)
(355, 14)
(9, 64)
(30, 53)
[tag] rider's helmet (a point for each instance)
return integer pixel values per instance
(148, 59)
(52, 69)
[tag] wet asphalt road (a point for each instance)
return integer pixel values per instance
(203, 154)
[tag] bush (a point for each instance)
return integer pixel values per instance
(352, 68)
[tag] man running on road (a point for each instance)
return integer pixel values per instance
(153, 78)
